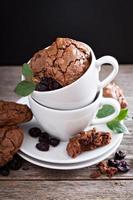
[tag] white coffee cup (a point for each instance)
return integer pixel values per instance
(65, 123)
(81, 92)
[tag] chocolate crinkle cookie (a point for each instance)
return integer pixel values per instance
(12, 113)
(65, 60)
(114, 91)
(87, 140)
(10, 141)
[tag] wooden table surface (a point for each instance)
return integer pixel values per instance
(38, 183)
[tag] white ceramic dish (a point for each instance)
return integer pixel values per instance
(58, 154)
(71, 166)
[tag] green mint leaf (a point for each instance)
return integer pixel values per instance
(106, 110)
(116, 126)
(122, 115)
(27, 71)
(24, 88)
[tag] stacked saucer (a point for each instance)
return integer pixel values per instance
(57, 157)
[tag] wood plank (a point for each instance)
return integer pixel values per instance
(59, 190)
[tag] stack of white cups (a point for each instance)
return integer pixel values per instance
(69, 110)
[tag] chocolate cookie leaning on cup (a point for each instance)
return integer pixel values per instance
(12, 113)
(65, 60)
(11, 139)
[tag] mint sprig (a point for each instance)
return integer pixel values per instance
(122, 115)
(116, 124)
(27, 71)
(24, 88)
(106, 110)
(27, 86)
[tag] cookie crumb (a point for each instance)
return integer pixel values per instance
(95, 174)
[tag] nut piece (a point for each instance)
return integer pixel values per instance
(65, 60)
(10, 141)
(12, 113)
(114, 91)
(87, 140)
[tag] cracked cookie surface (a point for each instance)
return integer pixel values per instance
(12, 113)
(10, 141)
(65, 61)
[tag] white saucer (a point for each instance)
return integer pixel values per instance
(58, 154)
(71, 166)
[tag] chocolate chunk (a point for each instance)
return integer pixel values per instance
(44, 138)
(113, 163)
(42, 146)
(123, 166)
(40, 87)
(54, 141)
(35, 132)
(46, 81)
(16, 162)
(4, 171)
(47, 84)
(119, 155)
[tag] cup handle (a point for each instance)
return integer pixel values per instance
(111, 102)
(110, 60)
